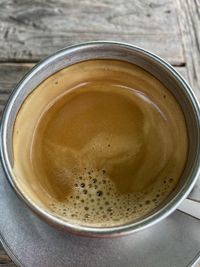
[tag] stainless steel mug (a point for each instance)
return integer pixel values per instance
(120, 51)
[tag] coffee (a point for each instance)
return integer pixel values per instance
(100, 143)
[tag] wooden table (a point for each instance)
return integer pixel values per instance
(31, 30)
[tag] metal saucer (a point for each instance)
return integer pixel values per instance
(174, 242)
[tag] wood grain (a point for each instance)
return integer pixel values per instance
(10, 75)
(30, 30)
(189, 18)
(5, 261)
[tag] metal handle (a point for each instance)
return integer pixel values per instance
(191, 205)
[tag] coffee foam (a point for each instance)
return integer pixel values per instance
(95, 200)
(133, 141)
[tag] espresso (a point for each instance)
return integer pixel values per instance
(100, 143)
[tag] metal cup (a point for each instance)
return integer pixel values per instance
(119, 51)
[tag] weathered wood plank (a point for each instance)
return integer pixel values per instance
(184, 72)
(30, 30)
(189, 17)
(10, 74)
(5, 261)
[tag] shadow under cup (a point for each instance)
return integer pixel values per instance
(118, 51)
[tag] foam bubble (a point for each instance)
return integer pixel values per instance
(95, 200)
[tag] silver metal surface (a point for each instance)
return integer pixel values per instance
(190, 207)
(174, 242)
(109, 50)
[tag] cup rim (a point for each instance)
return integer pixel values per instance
(131, 227)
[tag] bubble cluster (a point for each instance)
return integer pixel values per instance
(95, 200)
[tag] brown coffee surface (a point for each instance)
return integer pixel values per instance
(100, 143)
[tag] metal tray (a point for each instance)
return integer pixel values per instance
(174, 242)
